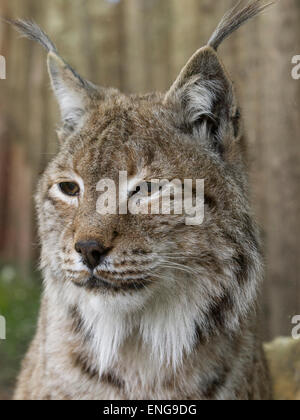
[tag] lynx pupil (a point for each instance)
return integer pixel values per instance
(69, 188)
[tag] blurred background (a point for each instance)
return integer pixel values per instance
(140, 46)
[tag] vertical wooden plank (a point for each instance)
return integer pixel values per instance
(135, 63)
(157, 18)
(192, 24)
(5, 157)
(4, 133)
(279, 126)
(18, 209)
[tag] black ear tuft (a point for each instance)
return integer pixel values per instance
(31, 30)
(74, 94)
(203, 92)
(205, 98)
(234, 19)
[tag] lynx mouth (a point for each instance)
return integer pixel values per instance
(95, 282)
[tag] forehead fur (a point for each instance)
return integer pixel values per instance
(133, 133)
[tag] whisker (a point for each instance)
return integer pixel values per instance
(186, 257)
(179, 254)
(184, 269)
(177, 265)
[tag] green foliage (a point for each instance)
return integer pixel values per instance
(19, 303)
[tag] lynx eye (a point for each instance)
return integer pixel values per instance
(138, 189)
(70, 188)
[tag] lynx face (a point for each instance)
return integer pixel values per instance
(131, 253)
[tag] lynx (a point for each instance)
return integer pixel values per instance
(145, 306)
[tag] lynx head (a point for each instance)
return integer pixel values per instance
(151, 261)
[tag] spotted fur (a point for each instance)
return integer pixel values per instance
(172, 311)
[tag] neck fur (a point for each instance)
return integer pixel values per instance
(163, 323)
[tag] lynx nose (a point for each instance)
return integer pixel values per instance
(92, 252)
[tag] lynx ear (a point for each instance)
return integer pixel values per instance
(203, 91)
(75, 95)
(204, 97)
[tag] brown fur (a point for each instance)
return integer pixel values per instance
(175, 316)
